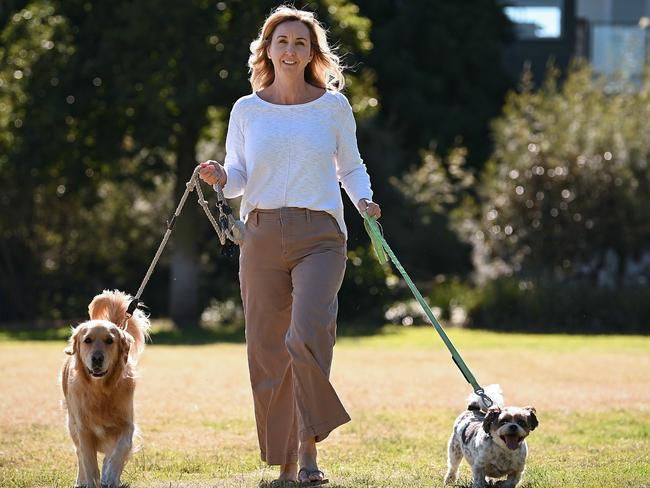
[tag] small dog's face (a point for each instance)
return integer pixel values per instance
(509, 426)
(100, 346)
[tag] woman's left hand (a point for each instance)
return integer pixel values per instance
(369, 206)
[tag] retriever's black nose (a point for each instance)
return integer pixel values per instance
(97, 358)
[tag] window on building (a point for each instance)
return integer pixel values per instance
(620, 50)
(535, 19)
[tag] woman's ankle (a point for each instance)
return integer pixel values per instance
(288, 472)
(307, 454)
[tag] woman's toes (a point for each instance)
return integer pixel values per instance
(316, 476)
(310, 475)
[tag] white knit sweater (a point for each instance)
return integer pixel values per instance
(294, 155)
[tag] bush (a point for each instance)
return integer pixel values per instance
(510, 304)
(566, 194)
(558, 219)
(368, 288)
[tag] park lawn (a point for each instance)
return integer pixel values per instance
(194, 408)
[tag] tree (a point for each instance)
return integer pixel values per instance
(439, 80)
(123, 92)
(567, 188)
(439, 71)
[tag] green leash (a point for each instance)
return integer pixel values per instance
(381, 249)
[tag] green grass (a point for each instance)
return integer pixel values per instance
(194, 408)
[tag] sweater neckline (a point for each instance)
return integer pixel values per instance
(282, 106)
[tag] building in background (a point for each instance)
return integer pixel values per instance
(614, 35)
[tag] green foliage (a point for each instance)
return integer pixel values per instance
(107, 104)
(566, 189)
(455, 298)
(568, 182)
(439, 82)
(512, 304)
(367, 289)
(437, 184)
(439, 70)
(73, 253)
(104, 106)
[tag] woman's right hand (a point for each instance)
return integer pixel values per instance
(213, 173)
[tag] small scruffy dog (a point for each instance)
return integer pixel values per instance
(491, 439)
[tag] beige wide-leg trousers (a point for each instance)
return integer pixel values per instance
(292, 264)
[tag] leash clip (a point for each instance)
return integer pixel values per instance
(487, 401)
(135, 303)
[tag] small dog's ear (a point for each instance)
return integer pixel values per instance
(492, 414)
(532, 418)
(72, 348)
(126, 341)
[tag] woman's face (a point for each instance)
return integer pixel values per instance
(290, 49)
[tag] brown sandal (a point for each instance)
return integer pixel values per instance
(304, 477)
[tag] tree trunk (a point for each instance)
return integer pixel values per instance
(184, 280)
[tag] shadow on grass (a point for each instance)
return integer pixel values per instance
(52, 334)
(294, 484)
(490, 484)
(235, 334)
(198, 336)
(165, 337)
(176, 336)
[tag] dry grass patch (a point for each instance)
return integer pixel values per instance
(194, 407)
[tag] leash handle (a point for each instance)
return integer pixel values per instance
(223, 235)
(382, 248)
(375, 240)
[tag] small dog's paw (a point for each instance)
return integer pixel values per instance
(450, 478)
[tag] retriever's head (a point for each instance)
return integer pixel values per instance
(100, 347)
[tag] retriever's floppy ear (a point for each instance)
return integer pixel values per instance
(126, 341)
(492, 414)
(72, 342)
(532, 418)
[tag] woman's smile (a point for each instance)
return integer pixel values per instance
(290, 45)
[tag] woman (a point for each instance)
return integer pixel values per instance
(288, 146)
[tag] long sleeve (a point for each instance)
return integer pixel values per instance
(235, 163)
(350, 169)
(294, 155)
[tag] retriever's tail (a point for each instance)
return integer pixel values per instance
(111, 305)
(474, 402)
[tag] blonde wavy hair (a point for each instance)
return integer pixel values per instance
(324, 70)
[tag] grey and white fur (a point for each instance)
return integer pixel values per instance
(491, 440)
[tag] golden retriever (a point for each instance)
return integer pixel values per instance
(98, 380)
